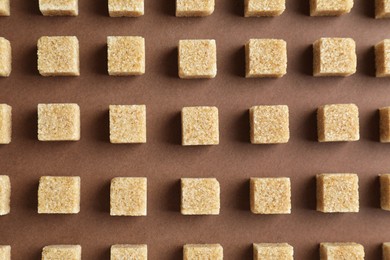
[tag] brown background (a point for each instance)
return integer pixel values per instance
(163, 160)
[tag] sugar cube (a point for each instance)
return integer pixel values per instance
(264, 7)
(273, 251)
(382, 9)
(122, 252)
(384, 124)
(57, 252)
(330, 8)
(5, 252)
(382, 58)
(386, 251)
(202, 251)
(188, 8)
(59, 7)
(349, 250)
(385, 191)
(5, 123)
(5, 8)
(5, 57)
(5, 195)
(130, 8)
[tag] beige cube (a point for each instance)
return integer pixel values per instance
(129, 8)
(5, 8)
(5, 252)
(200, 126)
(338, 122)
(57, 252)
(264, 7)
(58, 56)
(59, 195)
(190, 8)
(128, 196)
(58, 122)
(123, 252)
(266, 58)
(273, 251)
(5, 123)
(200, 196)
(270, 195)
(337, 192)
(330, 7)
(382, 9)
(334, 57)
(197, 59)
(269, 124)
(341, 251)
(5, 195)
(127, 123)
(385, 191)
(202, 251)
(59, 7)
(5, 57)
(382, 58)
(384, 124)
(386, 251)
(126, 55)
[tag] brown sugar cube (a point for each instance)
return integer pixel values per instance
(5, 252)
(59, 7)
(382, 9)
(270, 195)
(269, 124)
(5, 195)
(334, 57)
(128, 196)
(341, 251)
(266, 58)
(5, 123)
(59, 195)
(200, 126)
(264, 7)
(5, 57)
(202, 251)
(386, 251)
(58, 56)
(273, 251)
(338, 122)
(122, 252)
(56, 252)
(384, 124)
(197, 59)
(385, 191)
(200, 196)
(382, 58)
(129, 8)
(58, 122)
(337, 192)
(126, 55)
(190, 8)
(127, 123)
(330, 8)
(5, 8)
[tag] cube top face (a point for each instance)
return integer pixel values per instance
(200, 196)
(188, 8)
(334, 57)
(59, 195)
(382, 9)
(126, 55)
(264, 7)
(5, 8)
(269, 124)
(58, 122)
(5, 124)
(58, 56)
(5, 57)
(5, 195)
(333, 251)
(5, 252)
(337, 192)
(384, 124)
(121, 252)
(385, 191)
(127, 123)
(203, 251)
(59, 7)
(330, 7)
(197, 59)
(200, 126)
(266, 58)
(382, 58)
(130, 8)
(69, 252)
(274, 251)
(128, 196)
(338, 122)
(270, 195)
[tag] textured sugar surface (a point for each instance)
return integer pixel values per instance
(330, 7)
(57, 252)
(5, 57)
(194, 7)
(382, 58)
(5, 124)
(59, 7)
(274, 251)
(131, 8)
(385, 191)
(5, 195)
(5, 252)
(382, 8)
(130, 252)
(5, 8)
(264, 7)
(350, 251)
(202, 251)
(384, 124)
